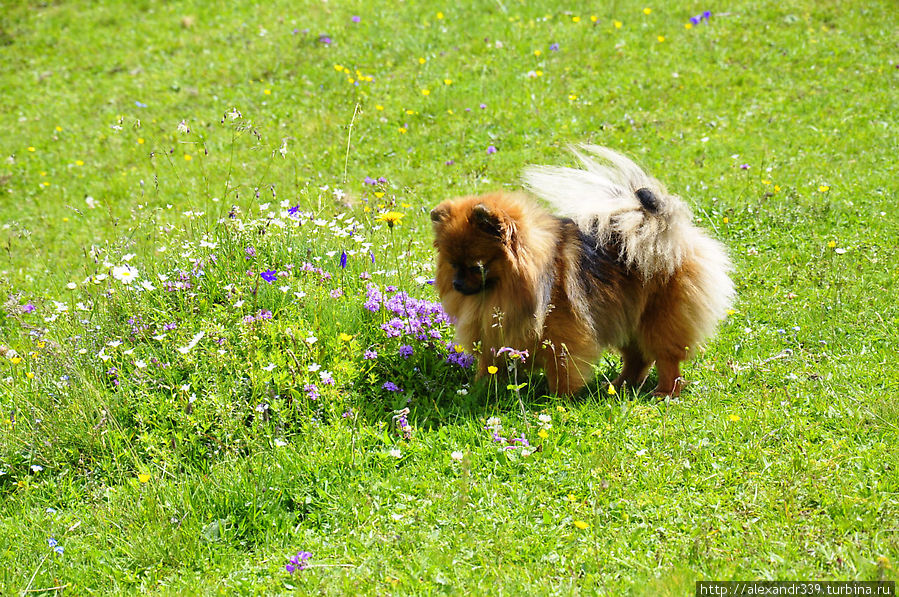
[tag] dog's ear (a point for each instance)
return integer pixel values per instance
(494, 223)
(439, 213)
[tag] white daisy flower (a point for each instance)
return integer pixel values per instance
(124, 273)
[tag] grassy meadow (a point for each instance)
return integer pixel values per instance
(223, 369)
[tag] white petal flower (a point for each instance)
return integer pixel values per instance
(192, 343)
(124, 273)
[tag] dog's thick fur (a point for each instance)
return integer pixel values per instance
(621, 266)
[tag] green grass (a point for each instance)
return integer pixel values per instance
(204, 470)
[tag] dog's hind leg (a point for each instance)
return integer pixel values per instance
(634, 367)
(670, 380)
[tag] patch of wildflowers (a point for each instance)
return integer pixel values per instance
(298, 562)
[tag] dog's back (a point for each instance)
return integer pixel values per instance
(670, 285)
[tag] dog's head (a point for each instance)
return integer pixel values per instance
(476, 239)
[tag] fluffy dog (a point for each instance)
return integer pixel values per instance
(621, 266)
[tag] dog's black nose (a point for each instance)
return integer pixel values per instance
(458, 285)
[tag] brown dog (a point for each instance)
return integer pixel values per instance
(624, 267)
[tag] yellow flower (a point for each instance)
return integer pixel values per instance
(688, 25)
(422, 60)
(439, 15)
(187, 157)
(725, 219)
(410, 112)
(593, 18)
(426, 92)
(646, 11)
(542, 434)
(345, 337)
(338, 68)
(571, 497)
(458, 348)
(611, 390)
(79, 163)
(447, 81)
(391, 217)
(832, 244)
(143, 477)
(575, 19)
(823, 188)
(776, 188)
(661, 38)
(140, 141)
(572, 97)
(59, 129)
(379, 107)
(29, 375)
(617, 24)
(267, 92)
(581, 524)
(537, 52)
(403, 130)
(733, 418)
(31, 149)
(492, 370)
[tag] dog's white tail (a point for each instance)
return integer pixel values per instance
(619, 202)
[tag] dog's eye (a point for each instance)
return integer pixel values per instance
(476, 269)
